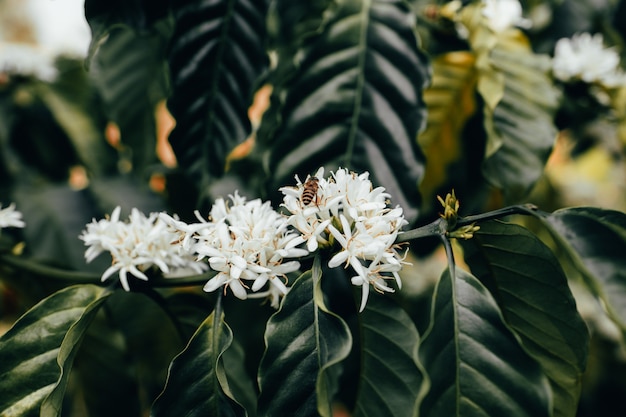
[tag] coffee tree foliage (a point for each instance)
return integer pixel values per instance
(423, 95)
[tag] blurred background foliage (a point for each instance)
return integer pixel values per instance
(264, 90)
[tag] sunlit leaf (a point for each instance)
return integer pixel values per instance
(36, 354)
(596, 241)
(355, 101)
(216, 57)
(475, 364)
(303, 342)
(194, 387)
(450, 101)
(390, 378)
(530, 287)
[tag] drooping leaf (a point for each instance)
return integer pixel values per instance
(520, 104)
(355, 101)
(129, 70)
(102, 15)
(36, 354)
(390, 378)
(532, 291)
(475, 364)
(195, 383)
(596, 241)
(303, 342)
(450, 101)
(216, 57)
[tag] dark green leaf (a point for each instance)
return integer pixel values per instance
(216, 57)
(36, 354)
(102, 15)
(196, 381)
(475, 364)
(355, 101)
(520, 101)
(303, 342)
(596, 241)
(129, 70)
(521, 128)
(531, 289)
(106, 373)
(390, 378)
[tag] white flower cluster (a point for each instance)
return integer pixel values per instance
(9, 217)
(247, 242)
(347, 209)
(584, 57)
(252, 247)
(504, 14)
(137, 245)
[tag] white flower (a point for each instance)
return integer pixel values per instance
(351, 212)
(27, 60)
(584, 58)
(138, 245)
(247, 243)
(504, 14)
(9, 217)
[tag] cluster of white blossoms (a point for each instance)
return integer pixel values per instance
(253, 248)
(138, 245)
(248, 243)
(10, 217)
(504, 14)
(346, 209)
(585, 58)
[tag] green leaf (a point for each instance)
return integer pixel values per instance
(475, 364)
(391, 377)
(355, 101)
(106, 373)
(303, 342)
(530, 287)
(102, 15)
(196, 384)
(595, 239)
(520, 103)
(36, 354)
(216, 57)
(129, 70)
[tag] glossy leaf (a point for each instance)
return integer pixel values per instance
(195, 383)
(530, 287)
(475, 364)
(390, 378)
(520, 104)
(303, 342)
(36, 354)
(596, 241)
(355, 101)
(216, 56)
(450, 100)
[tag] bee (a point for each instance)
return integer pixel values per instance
(310, 191)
